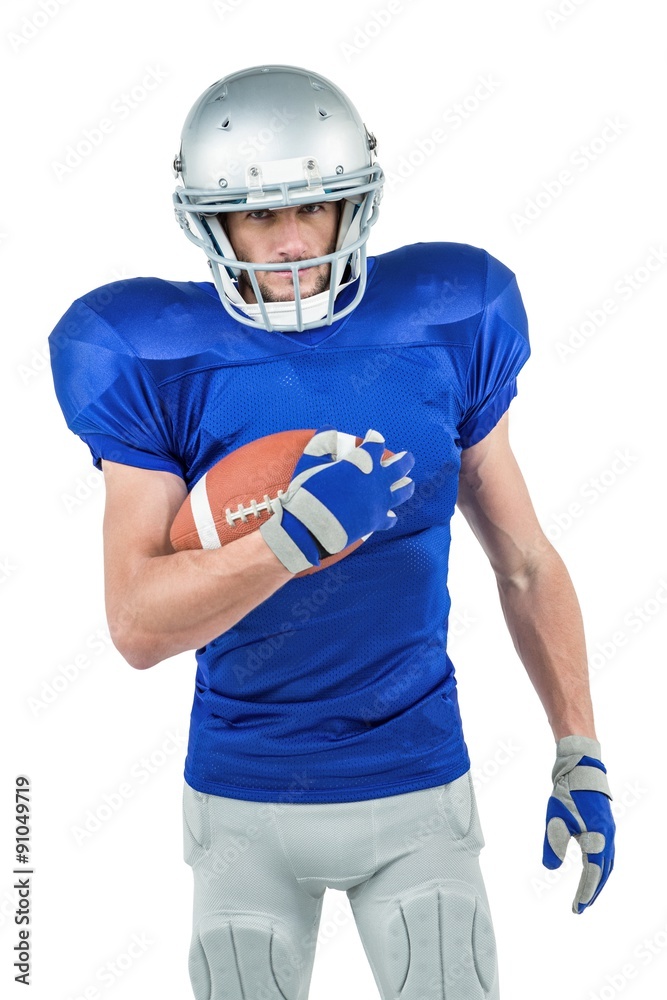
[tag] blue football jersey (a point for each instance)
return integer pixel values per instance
(338, 687)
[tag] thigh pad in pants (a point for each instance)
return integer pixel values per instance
(439, 937)
(244, 955)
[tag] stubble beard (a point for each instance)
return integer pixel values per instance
(270, 294)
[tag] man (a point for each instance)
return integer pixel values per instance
(325, 731)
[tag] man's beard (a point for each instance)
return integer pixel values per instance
(270, 294)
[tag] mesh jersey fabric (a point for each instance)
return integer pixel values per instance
(338, 687)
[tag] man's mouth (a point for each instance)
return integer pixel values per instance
(288, 274)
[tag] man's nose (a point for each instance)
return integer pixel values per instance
(290, 236)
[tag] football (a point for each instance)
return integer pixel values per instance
(235, 496)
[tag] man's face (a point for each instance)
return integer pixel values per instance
(279, 236)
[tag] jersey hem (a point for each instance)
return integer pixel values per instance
(332, 795)
(490, 415)
(105, 447)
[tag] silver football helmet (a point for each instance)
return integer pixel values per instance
(273, 137)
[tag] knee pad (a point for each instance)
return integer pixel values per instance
(244, 956)
(441, 944)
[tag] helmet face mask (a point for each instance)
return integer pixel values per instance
(275, 137)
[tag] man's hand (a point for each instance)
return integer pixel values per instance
(337, 499)
(579, 807)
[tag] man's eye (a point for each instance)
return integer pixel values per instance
(259, 214)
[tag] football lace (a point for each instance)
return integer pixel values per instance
(242, 513)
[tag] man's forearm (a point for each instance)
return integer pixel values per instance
(544, 619)
(185, 599)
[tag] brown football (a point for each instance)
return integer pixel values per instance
(234, 497)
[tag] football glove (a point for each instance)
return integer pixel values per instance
(579, 807)
(335, 500)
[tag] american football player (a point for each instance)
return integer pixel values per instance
(326, 746)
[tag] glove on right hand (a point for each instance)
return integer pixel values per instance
(336, 500)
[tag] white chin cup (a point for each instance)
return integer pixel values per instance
(313, 307)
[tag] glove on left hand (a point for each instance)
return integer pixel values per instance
(579, 807)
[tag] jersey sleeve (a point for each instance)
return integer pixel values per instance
(499, 351)
(107, 394)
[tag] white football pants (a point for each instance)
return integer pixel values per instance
(409, 864)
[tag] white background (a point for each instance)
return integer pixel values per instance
(76, 718)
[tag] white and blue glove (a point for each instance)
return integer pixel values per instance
(579, 807)
(336, 499)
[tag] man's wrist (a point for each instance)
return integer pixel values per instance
(582, 726)
(585, 745)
